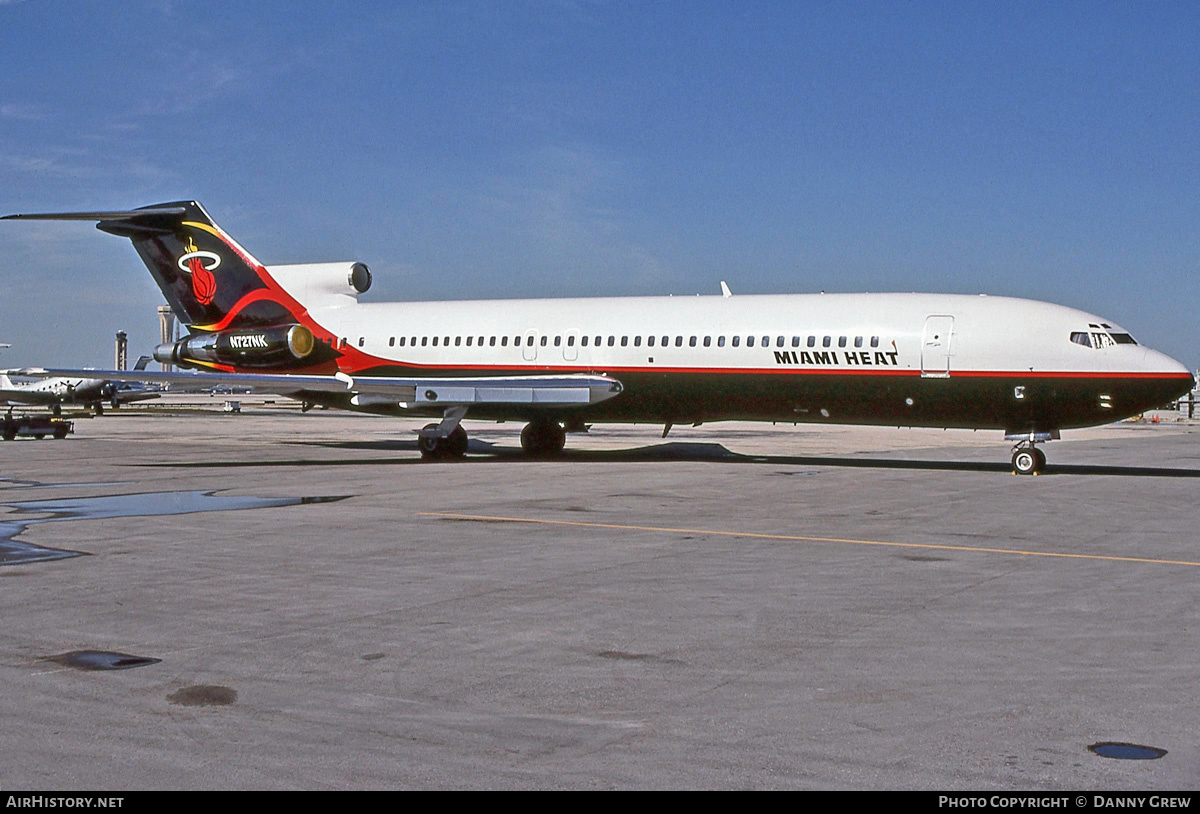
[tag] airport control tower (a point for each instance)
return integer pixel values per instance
(122, 350)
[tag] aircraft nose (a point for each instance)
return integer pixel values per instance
(1156, 362)
(1170, 365)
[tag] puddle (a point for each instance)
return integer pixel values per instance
(146, 504)
(1127, 751)
(101, 660)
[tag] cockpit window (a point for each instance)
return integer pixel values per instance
(1100, 339)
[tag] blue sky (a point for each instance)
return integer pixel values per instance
(513, 149)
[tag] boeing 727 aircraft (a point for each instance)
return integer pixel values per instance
(1028, 368)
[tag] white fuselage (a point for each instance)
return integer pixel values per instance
(861, 358)
(986, 334)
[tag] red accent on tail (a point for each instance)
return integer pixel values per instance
(204, 284)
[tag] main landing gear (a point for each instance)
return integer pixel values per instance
(453, 445)
(543, 438)
(448, 440)
(445, 440)
(1027, 459)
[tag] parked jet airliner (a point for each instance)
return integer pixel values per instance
(1028, 368)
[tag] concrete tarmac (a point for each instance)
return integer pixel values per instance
(737, 606)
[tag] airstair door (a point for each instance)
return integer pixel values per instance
(935, 346)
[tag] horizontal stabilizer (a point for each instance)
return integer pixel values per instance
(132, 214)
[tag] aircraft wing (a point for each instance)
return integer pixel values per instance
(571, 390)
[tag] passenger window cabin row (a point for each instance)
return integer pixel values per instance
(1095, 339)
(623, 341)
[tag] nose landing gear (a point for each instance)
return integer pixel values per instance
(1027, 459)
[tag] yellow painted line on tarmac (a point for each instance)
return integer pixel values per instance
(802, 539)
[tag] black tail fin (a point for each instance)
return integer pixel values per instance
(210, 281)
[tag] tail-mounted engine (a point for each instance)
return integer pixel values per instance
(263, 348)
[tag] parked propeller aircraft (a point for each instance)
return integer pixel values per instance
(1028, 368)
(75, 389)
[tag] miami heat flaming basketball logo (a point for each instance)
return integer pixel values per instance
(199, 265)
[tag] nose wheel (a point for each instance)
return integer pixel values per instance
(1028, 459)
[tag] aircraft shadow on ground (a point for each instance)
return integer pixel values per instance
(484, 452)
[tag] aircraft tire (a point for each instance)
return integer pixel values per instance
(452, 446)
(456, 443)
(1028, 461)
(543, 438)
(428, 444)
